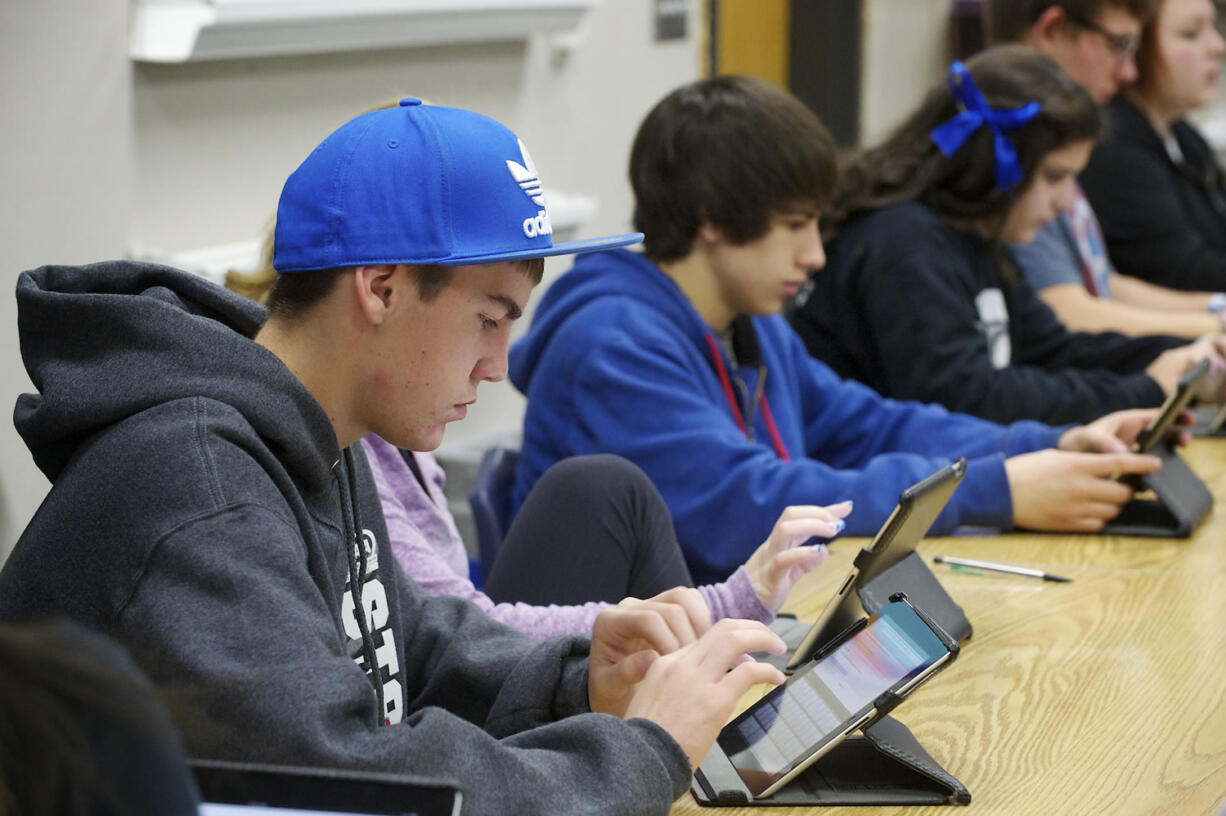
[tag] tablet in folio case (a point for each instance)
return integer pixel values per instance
(1180, 500)
(888, 565)
(883, 764)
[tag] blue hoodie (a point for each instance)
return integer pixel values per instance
(618, 361)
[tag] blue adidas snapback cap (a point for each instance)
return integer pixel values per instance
(418, 184)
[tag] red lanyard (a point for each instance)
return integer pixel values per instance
(730, 395)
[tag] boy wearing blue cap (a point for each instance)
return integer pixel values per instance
(210, 510)
(679, 360)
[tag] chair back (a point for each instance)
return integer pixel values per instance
(490, 499)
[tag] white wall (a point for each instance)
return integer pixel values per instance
(907, 49)
(66, 179)
(101, 154)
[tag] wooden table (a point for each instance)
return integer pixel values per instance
(1104, 695)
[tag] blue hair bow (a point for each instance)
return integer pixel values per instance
(950, 136)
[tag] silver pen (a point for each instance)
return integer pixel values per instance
(1009, 568)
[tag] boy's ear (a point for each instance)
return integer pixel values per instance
(1051, 23)
(377, 290)
(709, 233)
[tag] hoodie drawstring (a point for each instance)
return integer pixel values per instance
(357, 572)
(721, 370)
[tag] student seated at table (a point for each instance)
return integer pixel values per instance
(210, 509)
(594, 531)
(1093, 41)
(679, 360)
(918, 300)
(1155, 182)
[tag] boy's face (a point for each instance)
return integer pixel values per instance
(1094, 55)
(428, 363)
(757, 278)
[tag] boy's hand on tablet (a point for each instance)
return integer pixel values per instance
(779, 561)
(1074, 492)
(691, 693)
(1113, 433)
(626, 640)
(1116, 432)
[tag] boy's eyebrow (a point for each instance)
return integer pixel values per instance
(513, 310)
(1062, 167)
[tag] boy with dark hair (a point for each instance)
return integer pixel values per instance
(210, 510)
(1095, 42)
(664, 358)
(751, 154)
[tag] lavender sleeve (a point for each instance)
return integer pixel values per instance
(735, 598)
(428, 548)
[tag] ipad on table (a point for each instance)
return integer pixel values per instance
(918, 507)
(843, 690)
(1171, 409)
(1179, 500)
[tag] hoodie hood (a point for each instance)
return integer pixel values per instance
(105, 342)
(619, 273)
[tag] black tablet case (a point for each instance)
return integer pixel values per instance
(913, 577)
(882, 765)
(1181, 501)
(910, 575)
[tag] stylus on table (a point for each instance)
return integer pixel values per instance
(993, 567)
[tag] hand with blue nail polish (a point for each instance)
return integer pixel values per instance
(776, 566)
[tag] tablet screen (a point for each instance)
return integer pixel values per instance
(817, 705)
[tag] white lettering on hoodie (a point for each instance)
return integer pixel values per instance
(375, 610)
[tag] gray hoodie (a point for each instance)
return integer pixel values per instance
(199, 514)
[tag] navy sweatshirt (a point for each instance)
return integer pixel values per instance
(202, 514)
(1164, 220)
(918, 310)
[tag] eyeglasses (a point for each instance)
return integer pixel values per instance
(1122, 46)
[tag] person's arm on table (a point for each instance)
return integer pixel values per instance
(723, 491)
(1081, 311)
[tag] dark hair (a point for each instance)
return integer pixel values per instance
(1007, 21)
(1147, 53)
(79, 725)
(730, 152)
(294, 293)
(961, 188)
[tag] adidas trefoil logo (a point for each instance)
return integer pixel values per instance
(526, 177)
